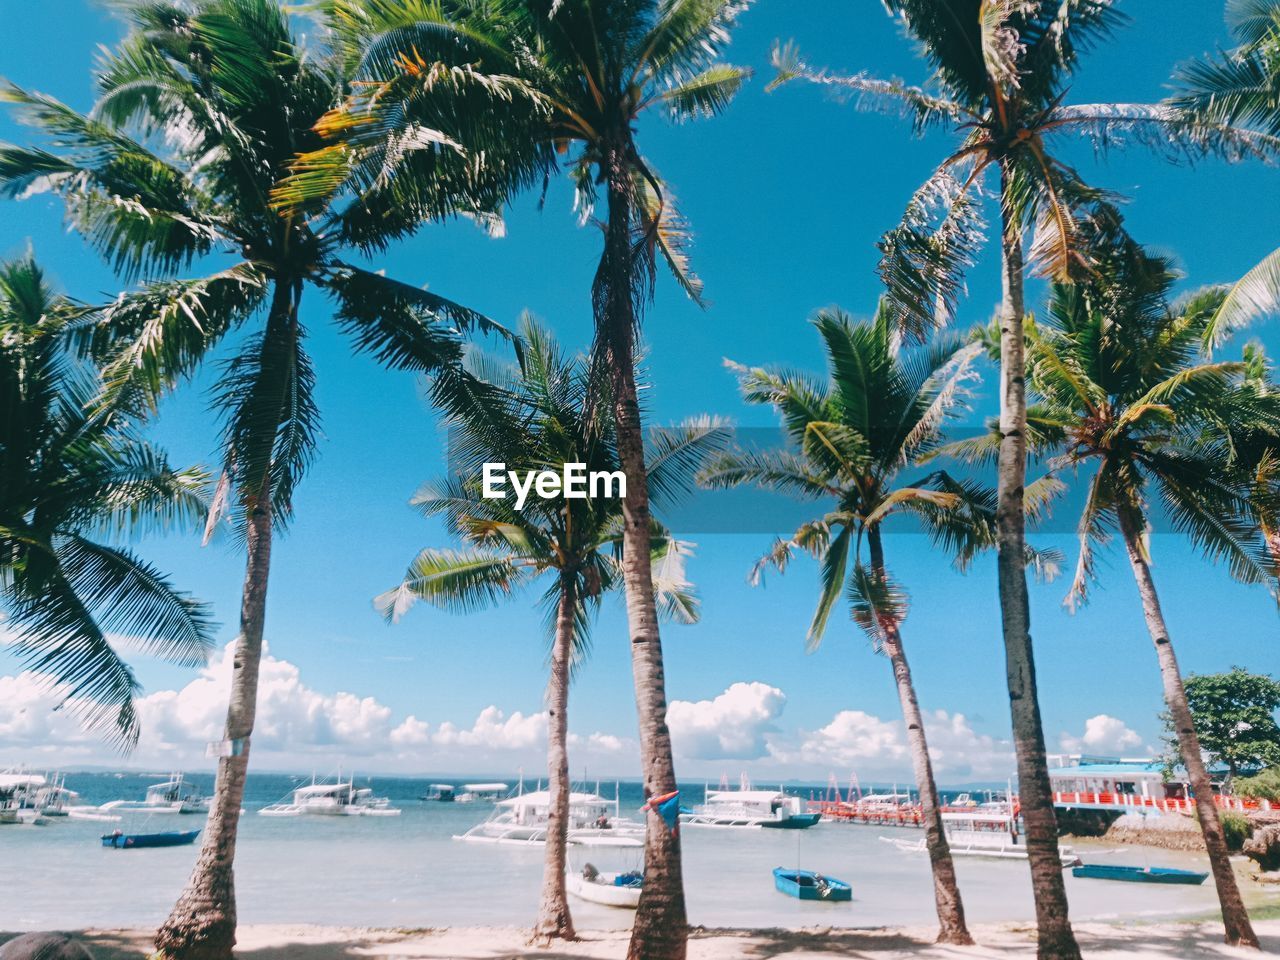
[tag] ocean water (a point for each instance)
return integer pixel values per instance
(406, 871)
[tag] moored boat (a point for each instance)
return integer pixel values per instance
(807, 885)
(985, 832)
(170, 796)
(1099, 871)
(130, 841)
(341, 799)
(611, 888)
(750, 809)
(522, 819)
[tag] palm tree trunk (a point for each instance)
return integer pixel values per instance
(946, 891)
(1235, 919)
(1056, 941)
(554, 920)
(660, 930)
(202, 924)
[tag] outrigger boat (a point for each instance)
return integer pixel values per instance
(750, 809)
(988, 833)
(807, 885)
(620, 888)
(467, 793)
(171, 796)
(341, 799)
(131, 841)
(522, 819)
(1098, 871)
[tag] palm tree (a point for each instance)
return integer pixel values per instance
(548, 414)
(573, 74)
(66, 479)
(236, 98)
(1000, 76)
(853, 437)
(1242, 88)
(1126, 395)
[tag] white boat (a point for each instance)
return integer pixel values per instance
(341, 799)
(170, 796)
(522, 819)
(482, 793)
(617, 888)
(749, 809)
(18, 792)
(988, 833)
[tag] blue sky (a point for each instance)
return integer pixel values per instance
(787, 194)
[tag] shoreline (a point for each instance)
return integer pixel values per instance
(1138, 940)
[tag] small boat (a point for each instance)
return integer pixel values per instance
(807, 885)
(341, 799)
(618, 888)
(989, 831)
(129, 841)
(439, 793)
(1098, 871)
(522, 820)
(171, 796)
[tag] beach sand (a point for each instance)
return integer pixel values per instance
(1137, 941)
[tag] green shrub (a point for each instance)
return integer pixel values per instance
(1264, 786)
(1237, 828)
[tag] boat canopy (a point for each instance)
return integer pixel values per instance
(323, 790)
(744, 796)
(542, 798)
(481, 787)
(12, 781)
(442, 786)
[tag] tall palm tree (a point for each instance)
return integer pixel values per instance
(548, 414)
(1001, 71)
(229, 98)
(576, 76)
(1125, 393)
(66, 479)
(853, 437)
(1242, 88)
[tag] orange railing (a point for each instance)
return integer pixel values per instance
(1080, 798)
(909, 815)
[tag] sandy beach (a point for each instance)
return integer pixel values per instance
(1137, 941)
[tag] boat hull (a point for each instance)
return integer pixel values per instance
(606, 893)
(807, 885)
(131, 841)
(797, 821)
(1098, 871)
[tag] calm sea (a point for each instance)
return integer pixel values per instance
(406, 871)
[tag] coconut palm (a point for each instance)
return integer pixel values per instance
(1242, 88)
(578, 75)
(853, 438)
(1125, 393)
(1000, 75)
(67, 479)
(548, 413)
(228, 98)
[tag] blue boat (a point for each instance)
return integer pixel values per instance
(807, 885)
(797, 821)
(129, 841)
(1098, 871)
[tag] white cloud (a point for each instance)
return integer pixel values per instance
(1103, 734)
(297, 725)
(494, 730)
(733, 726)
(851, 739)
(877, 748)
